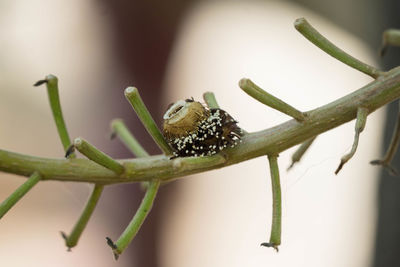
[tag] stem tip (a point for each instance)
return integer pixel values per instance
(298, 22)
(131, 91)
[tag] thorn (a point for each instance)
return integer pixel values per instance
(291, 166)
(339, 167)
(113, 246)
(383, 50)
(111, 243)
(40, 82)
(270, 245)
(113, 135)
(70, 150)
(392, 171)
(65, 237)
(376, 162)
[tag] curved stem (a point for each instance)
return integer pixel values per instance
(319, 40)
(276, 227)
(390, 153)
(72, 239)
(362, 114)
(130, 232)
(51, 82)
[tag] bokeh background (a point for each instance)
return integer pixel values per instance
(177, 49)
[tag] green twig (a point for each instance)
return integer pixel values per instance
(210, 100)
(296, 157)
(316, 38)
(361, 120)
(394, 144)
(275, 237)
(132, 94)
(7, 204)
(104, 160)
(267, 99)
(52, 89)
(72, 239)
(131, 230)
(137, 220)
(92, 153)
(120, 129)
(51, 82)
(390, 37)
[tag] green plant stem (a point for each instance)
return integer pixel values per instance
(390, 37)
(132, 94)
(126, 237)
(275, 237)
(119, 127)
(54, 99)
(267, 99)
(92, 153)
(269, 141)
(316, 38)
(394, 144)
(8, 203)
(210, 100)
(72, 239)
(130, 232)
(296, 157)
(361, 120)
(104, 160)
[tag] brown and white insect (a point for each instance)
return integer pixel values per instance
(194, 130)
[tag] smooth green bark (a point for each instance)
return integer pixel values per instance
(327, 46)
(273, 140)
(132, 94)
(210, 100)
(128, 139)
(72, 239)
(92, 153)
(276, 227)
(130, 232)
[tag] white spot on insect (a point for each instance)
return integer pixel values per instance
(209, 128)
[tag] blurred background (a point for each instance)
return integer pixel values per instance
(174, 50)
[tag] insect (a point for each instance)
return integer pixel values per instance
(194, 130)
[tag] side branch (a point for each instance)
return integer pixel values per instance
(394, 144)
(276, 227)
(376, 94)
(319, 40)
(361, 120)
(264, 97)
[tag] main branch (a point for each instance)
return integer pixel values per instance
(274, 140)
